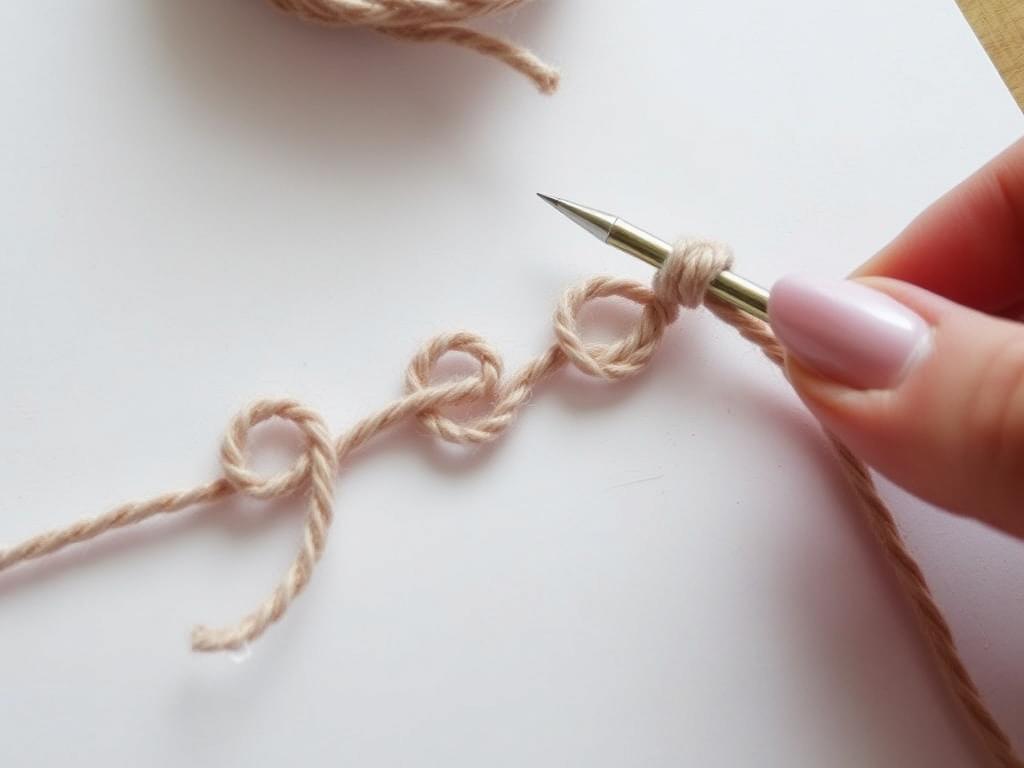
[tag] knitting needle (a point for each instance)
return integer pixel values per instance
(733, 289)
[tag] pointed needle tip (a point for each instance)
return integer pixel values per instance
(595, 222)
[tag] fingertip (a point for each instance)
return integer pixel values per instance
(951, 430)
(847, 331)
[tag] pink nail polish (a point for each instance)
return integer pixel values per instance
(848, 332)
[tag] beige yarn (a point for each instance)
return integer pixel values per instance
(684, 279)
(429, 20)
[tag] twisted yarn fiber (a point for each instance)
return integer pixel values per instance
(429, 20)
(683, 280)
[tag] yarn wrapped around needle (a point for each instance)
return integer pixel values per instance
(429, 21)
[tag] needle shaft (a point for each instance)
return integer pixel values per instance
(731, 288)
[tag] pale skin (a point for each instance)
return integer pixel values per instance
(952, 432)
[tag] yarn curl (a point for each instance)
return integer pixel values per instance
(683, 280)
(429, 21)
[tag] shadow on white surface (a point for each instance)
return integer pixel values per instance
(335, 95)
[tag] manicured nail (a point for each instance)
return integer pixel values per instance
(848, 332)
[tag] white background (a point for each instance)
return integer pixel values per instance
(206, 202)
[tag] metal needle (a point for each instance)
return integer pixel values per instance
(751, 298)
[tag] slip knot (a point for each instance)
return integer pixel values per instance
(688, 271)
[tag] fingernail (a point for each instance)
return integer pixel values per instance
(848, 332)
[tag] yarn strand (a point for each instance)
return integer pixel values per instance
(934, 627)
(683, 280)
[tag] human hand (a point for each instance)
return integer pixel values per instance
(917, 363)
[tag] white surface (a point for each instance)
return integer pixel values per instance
(207, 202)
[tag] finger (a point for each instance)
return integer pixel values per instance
(929, 393)
(969, 245)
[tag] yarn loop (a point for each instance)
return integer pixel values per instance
(682, 280)
(314, 469)
(617, 359)
(460, 391)
(233, 448)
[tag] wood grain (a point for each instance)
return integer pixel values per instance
(999, 25)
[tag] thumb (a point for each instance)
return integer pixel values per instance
(929, 393)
